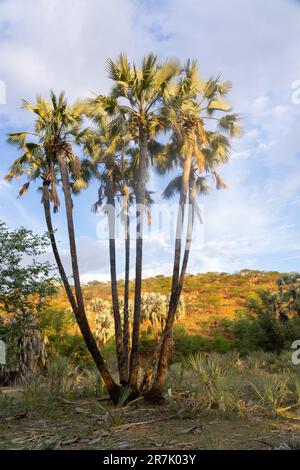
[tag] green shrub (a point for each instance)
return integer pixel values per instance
(215, 377)
(264, 331)
(148, 343)
(221, 344)
(185, 344)
(272, 392)
(71, 346)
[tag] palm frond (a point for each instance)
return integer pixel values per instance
(173, 187)
(17, 138)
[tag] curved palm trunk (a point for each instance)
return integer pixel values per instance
(64, 278)
(187, 249)
(126, 346)
(140, 204)
(162, 367)
(114, 285)
(80, 314)
(179, 229)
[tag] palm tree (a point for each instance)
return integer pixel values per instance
(197, 103)
(138, 97)
(57, 126)
(34, 164)
(113, 164)
(106, 164)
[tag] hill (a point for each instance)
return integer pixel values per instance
(208, 297)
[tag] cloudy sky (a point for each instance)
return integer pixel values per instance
(63, 44)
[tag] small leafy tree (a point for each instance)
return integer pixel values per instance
(270, 320)
(23, 289)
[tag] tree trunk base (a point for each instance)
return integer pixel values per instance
(115, 393)
(154, 396)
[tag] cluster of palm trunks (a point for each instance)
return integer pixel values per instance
(120, 143)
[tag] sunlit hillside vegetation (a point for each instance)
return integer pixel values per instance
(208, 297)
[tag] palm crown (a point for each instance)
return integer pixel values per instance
(57, 126)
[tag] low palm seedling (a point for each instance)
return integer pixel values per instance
(215, 381)
(272, 392)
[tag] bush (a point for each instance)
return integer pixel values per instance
(185, 344)
(71, 346)
(148, 343)
(221, 345)
(264, 331)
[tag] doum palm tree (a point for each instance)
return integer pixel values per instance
(57, 127)
(139, 96)
(106, 164)
(196, 143)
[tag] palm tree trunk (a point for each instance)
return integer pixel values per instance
(80, 314)
(64, 278)
(191, 220)
(148, 376)
(179, 229)
(162, 367)
(126, 346)
(114, 285)
(140, 206)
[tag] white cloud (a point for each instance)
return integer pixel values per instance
(62, 45)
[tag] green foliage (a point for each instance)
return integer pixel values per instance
(71, 346)
(215, 377)
(221, 344)
(272, 392)
(147, 342)
(260, 327)
(56, 322)
(23, 287)
(185, 344)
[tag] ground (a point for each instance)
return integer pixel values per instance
(92, 424)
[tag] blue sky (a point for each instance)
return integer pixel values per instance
(63, 44)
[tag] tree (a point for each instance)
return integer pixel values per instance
(154, 309)
(23, 289)
(108, 165)
(36, 165)
(139, 95)
(57, 127)
(196, 103)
